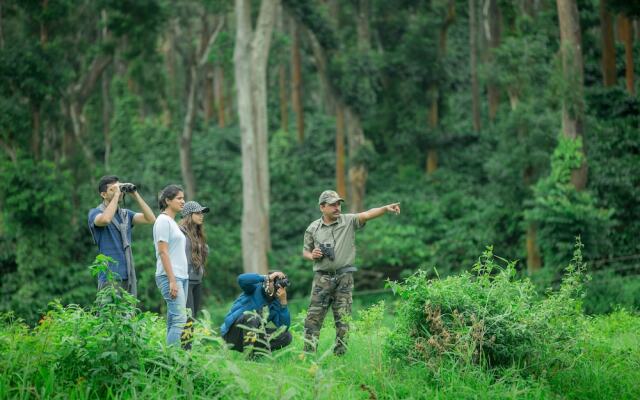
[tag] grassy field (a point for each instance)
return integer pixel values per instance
(56, 360)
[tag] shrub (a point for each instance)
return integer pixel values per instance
(488, 317)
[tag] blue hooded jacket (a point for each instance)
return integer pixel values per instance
(253, 298)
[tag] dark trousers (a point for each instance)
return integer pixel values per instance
(194, 298)
(194, 302)
(239, 338)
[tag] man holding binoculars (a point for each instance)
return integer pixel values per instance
(330, 243)
(111, 227)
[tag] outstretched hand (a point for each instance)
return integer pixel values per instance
(394, 208)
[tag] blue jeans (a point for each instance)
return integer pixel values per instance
(176, 308)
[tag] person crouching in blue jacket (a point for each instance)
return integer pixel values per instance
(259, 291)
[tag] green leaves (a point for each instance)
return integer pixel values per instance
(490, 318)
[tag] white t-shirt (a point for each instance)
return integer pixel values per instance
(167, 230)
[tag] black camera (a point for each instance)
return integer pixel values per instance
(127, 187)
(280, 283)
(327, 251)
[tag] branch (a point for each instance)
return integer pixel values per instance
(84, 87)
(205, 54)
(262, 36)
(11, 152)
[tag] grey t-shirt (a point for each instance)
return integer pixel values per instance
(340, 234)
(195, 274)
(167, 230)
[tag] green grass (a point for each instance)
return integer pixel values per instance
(34, 365)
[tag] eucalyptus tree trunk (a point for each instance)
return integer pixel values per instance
(434, 91)
(493, 30)
(282, 78)
(218, 91)
(473, 61)
(296, 81)
(573, 71)
(196, 66)
(333, 103)
(341, 186)
(626, 35)
(250, 62)
(608, 46)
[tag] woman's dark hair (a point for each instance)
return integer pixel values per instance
(168, 193)
(198, 238)
(105, 181)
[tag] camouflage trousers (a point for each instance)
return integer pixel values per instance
(333, 291)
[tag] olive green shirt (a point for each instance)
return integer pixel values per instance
(341, 235)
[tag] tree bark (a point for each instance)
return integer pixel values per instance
(341, 186)
(608, 46)
(296, 80)
(364, 30)
(1, 28)
(106, 104)
(35, 133)
(218, 73)
(434, 91)
(208, 98)
(250, 61)
(196, 68)
(473, 61)
(358, 172)
(493, 30)
(282, 79)
(534, 260)
(573, 70)
(626, 35)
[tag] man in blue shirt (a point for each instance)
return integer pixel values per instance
(258, 292)
(111, 227)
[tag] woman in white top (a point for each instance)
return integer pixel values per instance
(172, 271)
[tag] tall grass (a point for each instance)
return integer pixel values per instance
(119, 352)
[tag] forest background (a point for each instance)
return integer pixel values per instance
(493, 122)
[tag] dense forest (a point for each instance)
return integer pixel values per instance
(511, 124)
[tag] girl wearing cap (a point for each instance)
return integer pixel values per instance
(197, 251)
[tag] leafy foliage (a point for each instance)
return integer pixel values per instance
(488, 318)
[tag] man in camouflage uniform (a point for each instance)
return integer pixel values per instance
(330, 243)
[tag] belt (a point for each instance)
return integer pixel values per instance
(343, 270)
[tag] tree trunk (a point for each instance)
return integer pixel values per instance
(218, 73)
(434, 91)
(357, 169)
(296, 80)
(341, 186)
(282, 79)
(106, 104)
(473, 61)
(534, 260)
(573, 70)
(186, 169)
(250, 61)
(197, 63)
(608, 46)
(493, 31)
(364, 30)
(208, 98)
(626, 35)
(1, 28)
(35, 133)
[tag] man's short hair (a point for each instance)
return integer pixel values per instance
(105, 181)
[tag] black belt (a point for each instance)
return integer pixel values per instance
(343, 270)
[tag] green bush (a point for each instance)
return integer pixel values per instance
(488, 317)
(110, 349)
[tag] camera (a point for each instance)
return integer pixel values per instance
(327, 251)
(127, 187)
(280, 283)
